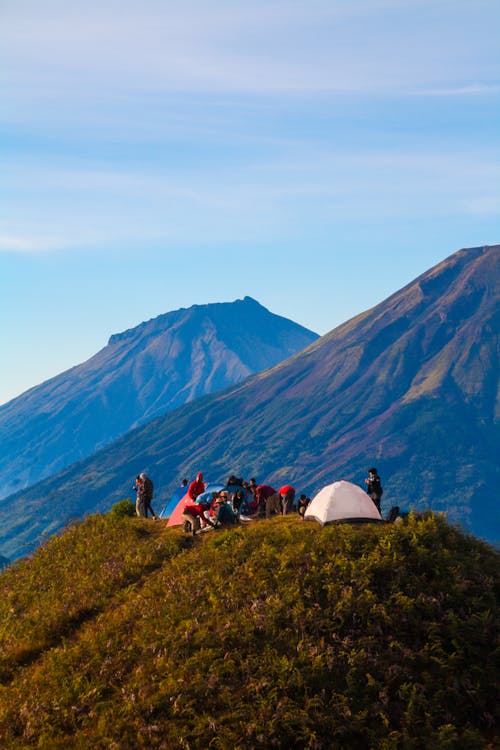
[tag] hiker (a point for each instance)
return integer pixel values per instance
(287, 494)
(140, 507)
(302, 505)
(374, 487)
(196, 487)
(147, 490)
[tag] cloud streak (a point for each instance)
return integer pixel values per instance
(281, 198)
(251, 47)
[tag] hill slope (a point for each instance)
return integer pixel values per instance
(141, 373)
(410, 386)
(122, 633)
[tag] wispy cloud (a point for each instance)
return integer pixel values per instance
(250, 46)
(170, 120)
(470, 90)
(289, 195)
(24, 244)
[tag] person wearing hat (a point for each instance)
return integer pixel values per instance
(287, 494)
(374, 487)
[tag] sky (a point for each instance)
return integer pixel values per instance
(316, 155)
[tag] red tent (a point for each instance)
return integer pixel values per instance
(176, 517)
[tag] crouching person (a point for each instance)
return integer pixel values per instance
(197, 513)
(302, 505)
(222, 510)
(287, 494)
(191, 518)
(273, 505)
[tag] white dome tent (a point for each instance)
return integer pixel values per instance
(342, 502)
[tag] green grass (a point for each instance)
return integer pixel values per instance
(125, 634)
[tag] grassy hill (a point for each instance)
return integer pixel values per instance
(120, 633)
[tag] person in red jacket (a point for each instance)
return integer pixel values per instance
(196, 487)
(287, 493)
(193, 511)
(267, 498)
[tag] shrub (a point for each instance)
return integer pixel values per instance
(124, 508)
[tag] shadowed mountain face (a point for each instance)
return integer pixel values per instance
(141, 373)
(410, 386)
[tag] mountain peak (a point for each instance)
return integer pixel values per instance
(142, 373)
(164, 320)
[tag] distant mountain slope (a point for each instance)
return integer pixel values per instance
(141, 373)
(410, 386)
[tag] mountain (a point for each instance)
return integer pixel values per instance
(410, 386)
(141, 373)
(121, 633)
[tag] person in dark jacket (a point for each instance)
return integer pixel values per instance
(147, 490)
(302, 505)
(374, 487)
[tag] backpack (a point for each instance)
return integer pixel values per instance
(148, 488)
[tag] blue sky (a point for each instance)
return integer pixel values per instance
(314, 155)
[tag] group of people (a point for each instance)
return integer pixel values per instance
(238, 500)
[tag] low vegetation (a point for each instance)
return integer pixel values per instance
(121, 633)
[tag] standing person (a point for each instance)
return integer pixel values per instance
(147, 492)
(374, 487)
(140, 507)
(196, 487)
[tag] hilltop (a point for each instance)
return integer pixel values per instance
(124, 634)
(142, 372)
(410, 386)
